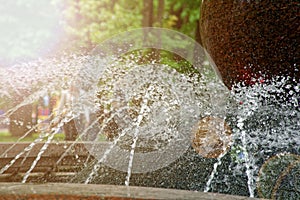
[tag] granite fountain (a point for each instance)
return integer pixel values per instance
(227, 128)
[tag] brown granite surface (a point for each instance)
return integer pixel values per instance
(252, 39)
(59, 191)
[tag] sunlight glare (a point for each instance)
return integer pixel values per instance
(29, 29)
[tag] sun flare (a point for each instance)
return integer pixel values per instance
(29, 29)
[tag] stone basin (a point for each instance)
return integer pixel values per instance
(60, 191)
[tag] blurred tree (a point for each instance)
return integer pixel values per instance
(187, 14)
(89, 22)
(21, 121)
(160, 12)
(147, 13)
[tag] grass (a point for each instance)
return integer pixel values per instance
(5, 136)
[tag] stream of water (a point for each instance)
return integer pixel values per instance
(149, 116)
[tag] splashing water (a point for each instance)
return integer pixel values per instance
(152, 123)
(157, 105)
(31, 82)
(38, 157)
(266, 122)
(139, 119)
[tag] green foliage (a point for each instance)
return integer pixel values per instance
(187, 14)
(5, 136)
(89, 22)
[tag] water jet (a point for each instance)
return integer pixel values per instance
(136, 124)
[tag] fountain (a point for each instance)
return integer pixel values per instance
(254, 46)
(251, 40)
(140, 122)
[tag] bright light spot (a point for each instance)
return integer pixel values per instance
(28, 29)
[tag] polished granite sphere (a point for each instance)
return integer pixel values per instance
(252, 40)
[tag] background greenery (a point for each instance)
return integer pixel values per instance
(88, 22)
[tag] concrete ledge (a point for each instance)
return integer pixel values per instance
(61, 191)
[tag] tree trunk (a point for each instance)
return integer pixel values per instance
(21, 121)
(160, 12)
(148, 13)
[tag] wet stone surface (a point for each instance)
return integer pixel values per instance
(189, 172)
(263, 127)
